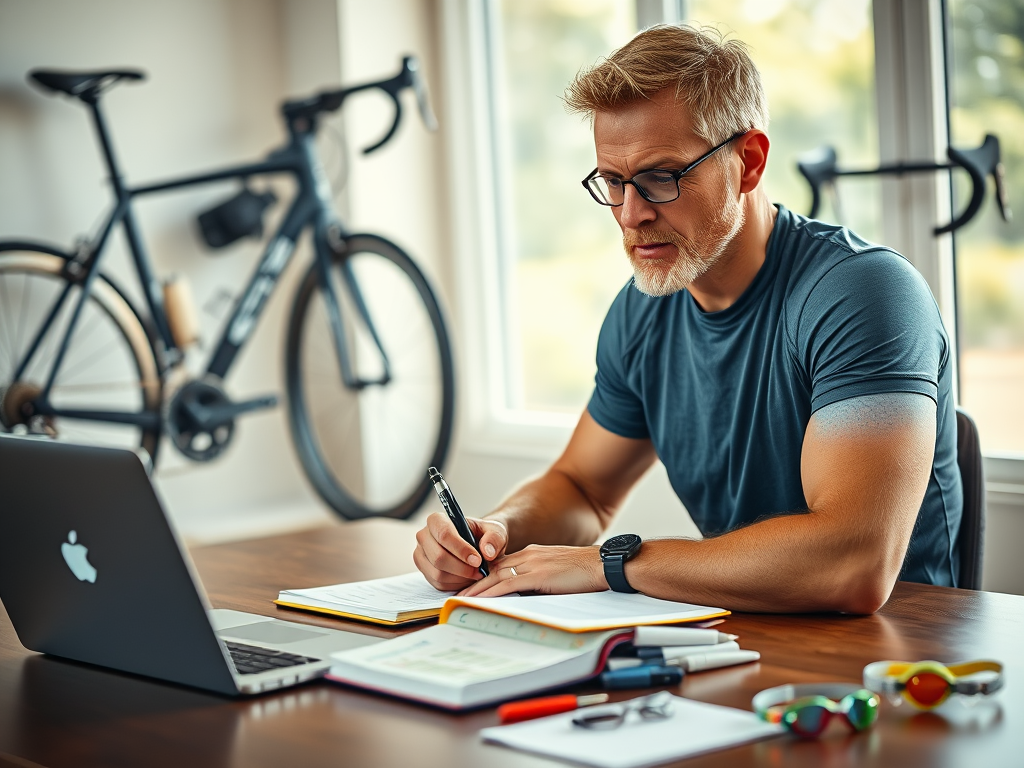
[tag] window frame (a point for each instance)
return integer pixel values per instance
(911, 96)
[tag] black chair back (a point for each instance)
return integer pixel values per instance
(971, 542)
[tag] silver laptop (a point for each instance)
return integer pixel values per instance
(90, 570)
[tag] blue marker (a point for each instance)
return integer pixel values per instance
(646, 676)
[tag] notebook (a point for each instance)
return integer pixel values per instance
(693, 728)
(391, 601)
(486, 650)
(477, 658)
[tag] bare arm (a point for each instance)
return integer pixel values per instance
(571, 503)
(865, 465)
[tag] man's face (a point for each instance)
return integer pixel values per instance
(670, 245)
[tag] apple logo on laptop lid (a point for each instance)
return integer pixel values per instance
(76, 556)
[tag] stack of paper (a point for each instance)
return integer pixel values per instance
(692, 729)
(393, 600)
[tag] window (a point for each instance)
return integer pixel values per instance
(560, 262)
(987, 96)
(816, 59)
(559, 252)
(865, 79)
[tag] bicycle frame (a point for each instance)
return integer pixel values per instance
(311, 206)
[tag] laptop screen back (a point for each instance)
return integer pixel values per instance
(90, 569)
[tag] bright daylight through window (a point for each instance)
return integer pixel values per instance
(987, 96)
(563, 259)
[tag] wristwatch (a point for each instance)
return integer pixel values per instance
(614, 554)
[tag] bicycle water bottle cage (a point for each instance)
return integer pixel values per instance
(241, 216)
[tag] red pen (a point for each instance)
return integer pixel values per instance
(518, 711)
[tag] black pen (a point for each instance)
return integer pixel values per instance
(451, 506)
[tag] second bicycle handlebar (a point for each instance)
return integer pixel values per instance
(410, 76)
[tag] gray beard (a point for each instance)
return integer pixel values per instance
(653, 281)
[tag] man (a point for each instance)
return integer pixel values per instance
(794, 379)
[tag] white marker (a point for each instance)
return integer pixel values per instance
(673, 655)
(716, 660)
(662, 636)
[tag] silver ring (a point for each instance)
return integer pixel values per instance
(513, 569)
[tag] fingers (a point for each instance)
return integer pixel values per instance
(447, 561)
(542, 569)
(503, 580)
(447, 541)
(492, 535)
(442, 580)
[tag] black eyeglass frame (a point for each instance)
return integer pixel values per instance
(655, 706)
(677, 175)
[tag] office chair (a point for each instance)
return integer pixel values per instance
(971, 541)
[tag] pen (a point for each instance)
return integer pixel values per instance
(704, 661)
(451, 506)
(518, 711)
(642, 677)
(662, 656)
(679, 636)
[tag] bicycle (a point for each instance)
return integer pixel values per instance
(368, 362)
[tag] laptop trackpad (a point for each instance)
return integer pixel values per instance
(271, 632)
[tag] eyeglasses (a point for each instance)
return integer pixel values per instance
(658, 706)
(655, 186)
(806, 710)
(927, 684)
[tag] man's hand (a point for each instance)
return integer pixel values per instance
(546, 569)
(447, 560)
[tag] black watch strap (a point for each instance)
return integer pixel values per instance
(615, 573)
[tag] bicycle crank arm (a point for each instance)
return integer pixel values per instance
(209, 417)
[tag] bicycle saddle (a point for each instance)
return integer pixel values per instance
(82, 84)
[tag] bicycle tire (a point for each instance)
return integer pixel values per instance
(387, 477)
(109, 331)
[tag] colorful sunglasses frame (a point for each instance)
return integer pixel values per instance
(785, 704)
(927, 684)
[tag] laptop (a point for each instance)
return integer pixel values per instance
(91, 570)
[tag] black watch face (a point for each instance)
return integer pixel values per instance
(624, 542)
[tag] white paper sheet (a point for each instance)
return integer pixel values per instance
(693, 728)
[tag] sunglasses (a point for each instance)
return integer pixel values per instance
(927, 684)
(657, 706)
(806, 710)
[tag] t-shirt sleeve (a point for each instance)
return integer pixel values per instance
(616, 405)
(871, 326)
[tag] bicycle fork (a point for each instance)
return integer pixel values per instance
(324, 252)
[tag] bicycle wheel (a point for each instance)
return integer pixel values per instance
(109, 365)
(366, 450)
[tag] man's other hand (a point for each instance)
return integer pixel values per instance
(448, 561)
(544, 569)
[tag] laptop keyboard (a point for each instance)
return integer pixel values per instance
(250, 660)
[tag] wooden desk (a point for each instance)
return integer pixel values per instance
(60, 714)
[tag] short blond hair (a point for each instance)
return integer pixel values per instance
(715, 78)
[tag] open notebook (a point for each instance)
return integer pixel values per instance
(392, 601)
(486, 650)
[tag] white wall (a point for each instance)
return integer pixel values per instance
(217, 70)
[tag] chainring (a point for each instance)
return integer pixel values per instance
(191, 439)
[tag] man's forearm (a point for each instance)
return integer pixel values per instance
(551, 509)
(793, 563)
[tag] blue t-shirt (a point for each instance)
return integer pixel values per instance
(726, 396)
